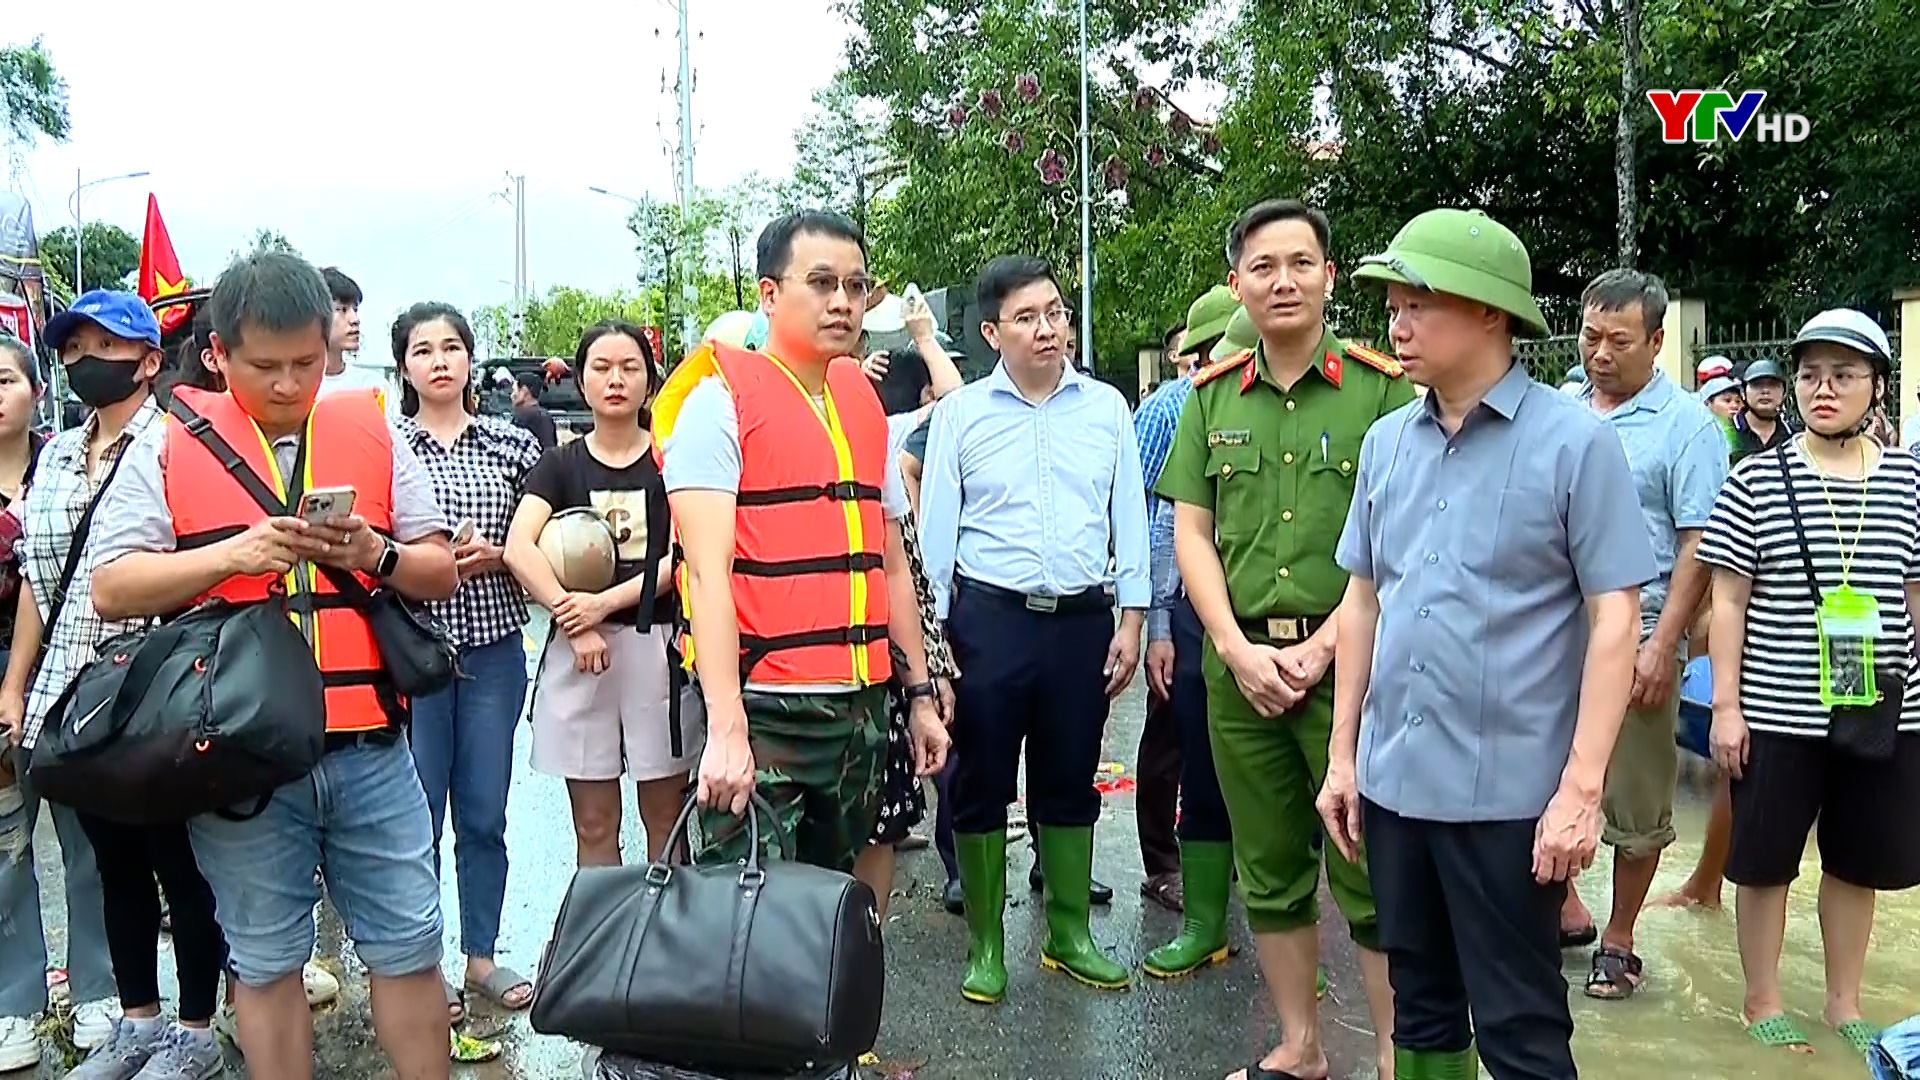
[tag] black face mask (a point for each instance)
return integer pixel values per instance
(100, 382)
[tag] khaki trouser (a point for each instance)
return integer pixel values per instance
(1640, 780)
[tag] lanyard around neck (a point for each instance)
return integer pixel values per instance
(1833, 512)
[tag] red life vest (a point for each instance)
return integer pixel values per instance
(348, 444)
(809, 577)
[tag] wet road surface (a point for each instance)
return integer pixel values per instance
(1683, 1023)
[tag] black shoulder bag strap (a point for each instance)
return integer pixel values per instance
(58, 601)
(1799, 526)
(202, 429)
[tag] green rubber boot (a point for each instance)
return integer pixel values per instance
(1435, 1064)
(983, 878)
(1206, 878)
(1066, 859)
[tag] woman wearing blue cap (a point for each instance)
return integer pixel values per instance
(109, 349)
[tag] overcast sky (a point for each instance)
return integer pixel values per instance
(371, 133)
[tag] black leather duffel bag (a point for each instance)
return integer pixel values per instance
(735, 967)
(213, 709)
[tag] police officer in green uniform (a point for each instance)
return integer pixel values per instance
(1261, 473)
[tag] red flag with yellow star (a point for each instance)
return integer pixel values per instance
(160, 274)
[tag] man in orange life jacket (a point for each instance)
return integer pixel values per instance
(788, 503)
(176, 529)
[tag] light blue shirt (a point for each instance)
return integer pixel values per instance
(1036, 498)
(1678, 454)
(1484, 547)
(1154, 423)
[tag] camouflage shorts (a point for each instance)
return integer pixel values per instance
(820, 760)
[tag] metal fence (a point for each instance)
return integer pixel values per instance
(1549, 359)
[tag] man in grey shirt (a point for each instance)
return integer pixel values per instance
(1494, 545)
(1678, 454)
(360, 816)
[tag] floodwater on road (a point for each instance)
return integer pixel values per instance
(1683, 1023)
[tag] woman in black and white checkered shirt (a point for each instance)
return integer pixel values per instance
(463, 736)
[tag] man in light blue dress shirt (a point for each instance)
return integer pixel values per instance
(1031, 489)
(1496, 549)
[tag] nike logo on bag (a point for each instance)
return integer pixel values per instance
(88, 719)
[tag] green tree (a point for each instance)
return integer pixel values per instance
(550, 325)
(842, 161)
(264, 239)
(33, 97)
(109, 257)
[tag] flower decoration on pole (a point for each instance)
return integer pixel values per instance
(1140, 133)
(1053, 167)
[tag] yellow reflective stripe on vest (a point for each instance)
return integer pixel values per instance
(829, 419)
(300, 578)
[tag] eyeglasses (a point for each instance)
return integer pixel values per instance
(1029, 321)
(1842, 380)
(824, 285)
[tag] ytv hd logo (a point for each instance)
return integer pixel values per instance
(1700, 116)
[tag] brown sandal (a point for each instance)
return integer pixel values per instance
(1616, 974)
(1165, 890)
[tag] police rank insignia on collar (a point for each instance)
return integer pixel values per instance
(1375, 359)
(1220, 367)
(1229, 438)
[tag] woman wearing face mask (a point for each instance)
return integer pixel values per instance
(463, 736)
(601, 708)
(1794, 722)
(108, 344)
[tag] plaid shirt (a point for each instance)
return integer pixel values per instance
(478, 479)
(54, 505)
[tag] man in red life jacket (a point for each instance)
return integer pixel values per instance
(787, 504)
(174, 529)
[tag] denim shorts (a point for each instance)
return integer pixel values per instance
(360, 817)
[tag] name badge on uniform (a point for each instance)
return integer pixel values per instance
(1229, 438)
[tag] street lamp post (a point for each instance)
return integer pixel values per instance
(1086, 207)
(646, 298)
(79, 226)
(56, 380)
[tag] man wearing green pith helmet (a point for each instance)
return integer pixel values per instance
(1495, 547)
(1260, 474)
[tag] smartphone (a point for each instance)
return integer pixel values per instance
(320, 504)
(464, 533)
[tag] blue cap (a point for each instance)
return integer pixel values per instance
(121, 314)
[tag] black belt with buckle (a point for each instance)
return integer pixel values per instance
(1284, 629)
(1092, 599)
(351, 740)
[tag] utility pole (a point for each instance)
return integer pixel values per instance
(689, 291)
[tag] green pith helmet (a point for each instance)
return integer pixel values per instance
(1207, 318)
(1240, 335)
(1464, 253)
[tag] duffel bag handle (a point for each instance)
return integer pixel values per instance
(756, 806)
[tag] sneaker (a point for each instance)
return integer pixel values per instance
(19, 1046)
(319, 983)
(93, 1022)
(124, 1053)
(184, 1054)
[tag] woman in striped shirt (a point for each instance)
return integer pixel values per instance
(1834, 506)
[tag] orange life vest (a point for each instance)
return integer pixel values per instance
(348, 444)
(809, 580)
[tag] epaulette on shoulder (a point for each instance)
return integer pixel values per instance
(1220, 367)
(1375, 359)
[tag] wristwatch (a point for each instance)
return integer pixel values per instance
(922, 690)
(389, 559)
